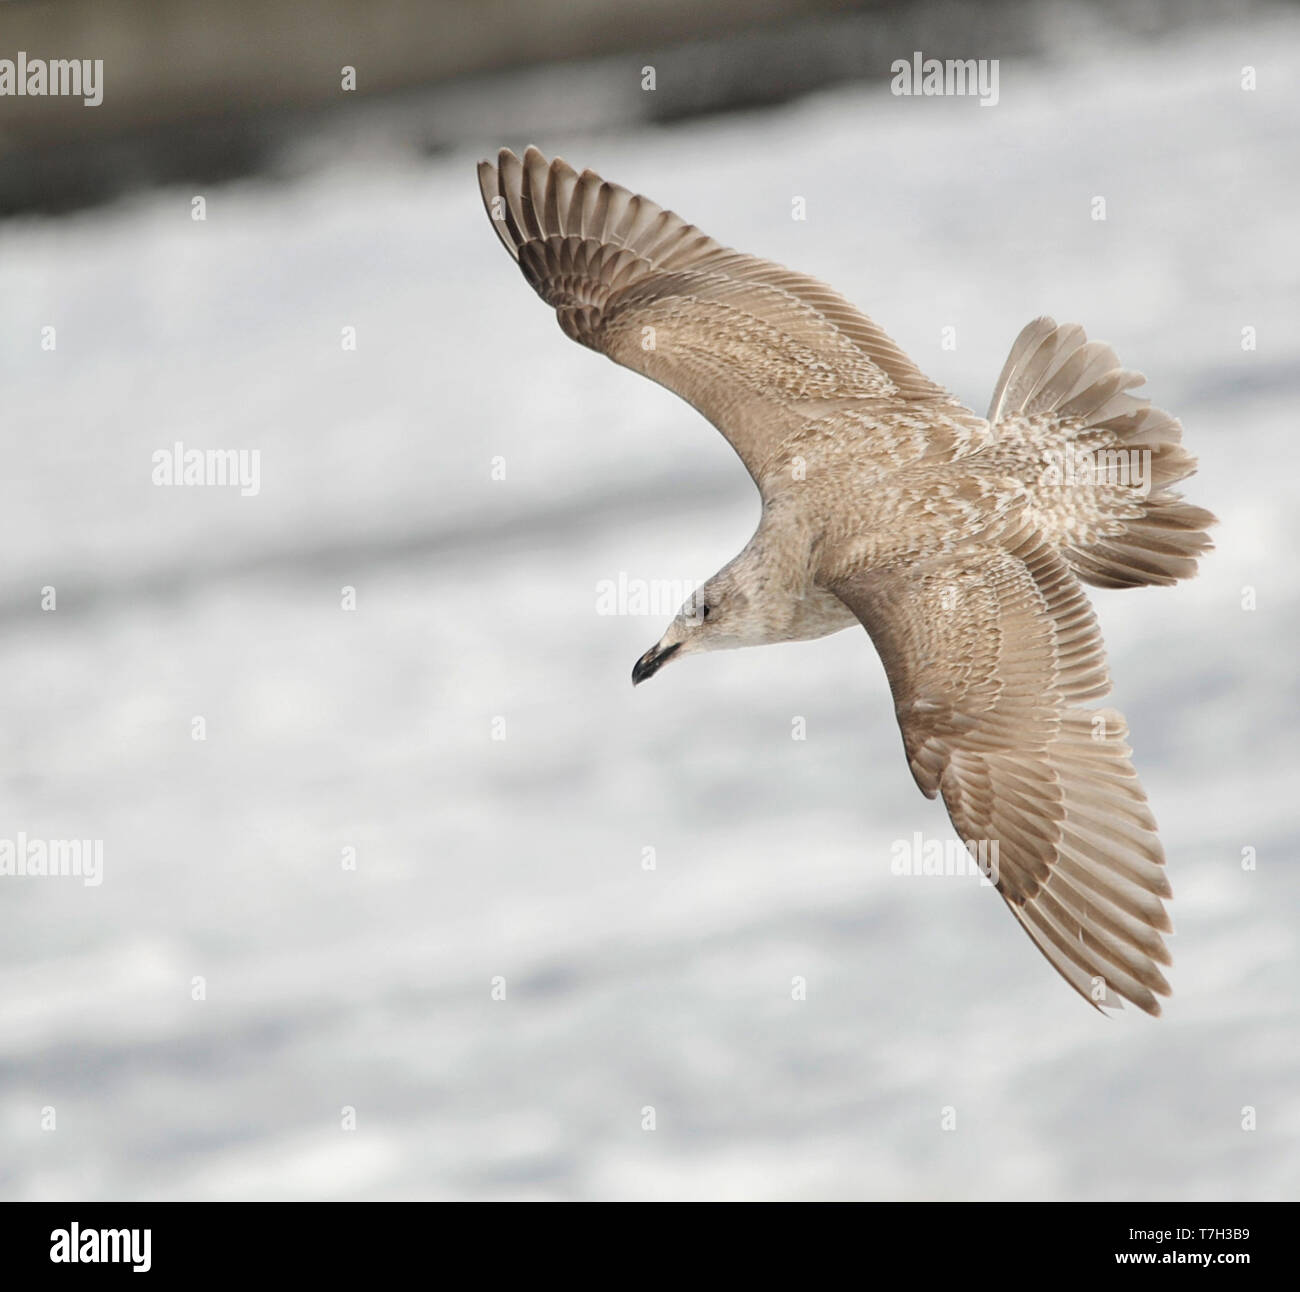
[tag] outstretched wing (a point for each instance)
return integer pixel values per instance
(989, 655)
(760, 351)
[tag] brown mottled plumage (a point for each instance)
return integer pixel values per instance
(959, 542)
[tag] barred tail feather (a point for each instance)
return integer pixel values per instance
(1061, 396)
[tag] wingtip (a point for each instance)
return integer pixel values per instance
(492, 190)
(532, 157)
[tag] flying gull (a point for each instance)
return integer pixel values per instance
(960, 543)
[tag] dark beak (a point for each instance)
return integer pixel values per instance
(652, 661)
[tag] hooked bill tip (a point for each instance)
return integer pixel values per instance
(651, 662)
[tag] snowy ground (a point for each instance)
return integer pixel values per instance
(476, 858)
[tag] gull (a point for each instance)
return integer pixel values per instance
(960, 543)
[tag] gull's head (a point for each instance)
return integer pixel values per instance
(718, 616)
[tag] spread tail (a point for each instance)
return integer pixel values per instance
(1098, 462)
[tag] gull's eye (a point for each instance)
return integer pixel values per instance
(705, 611)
